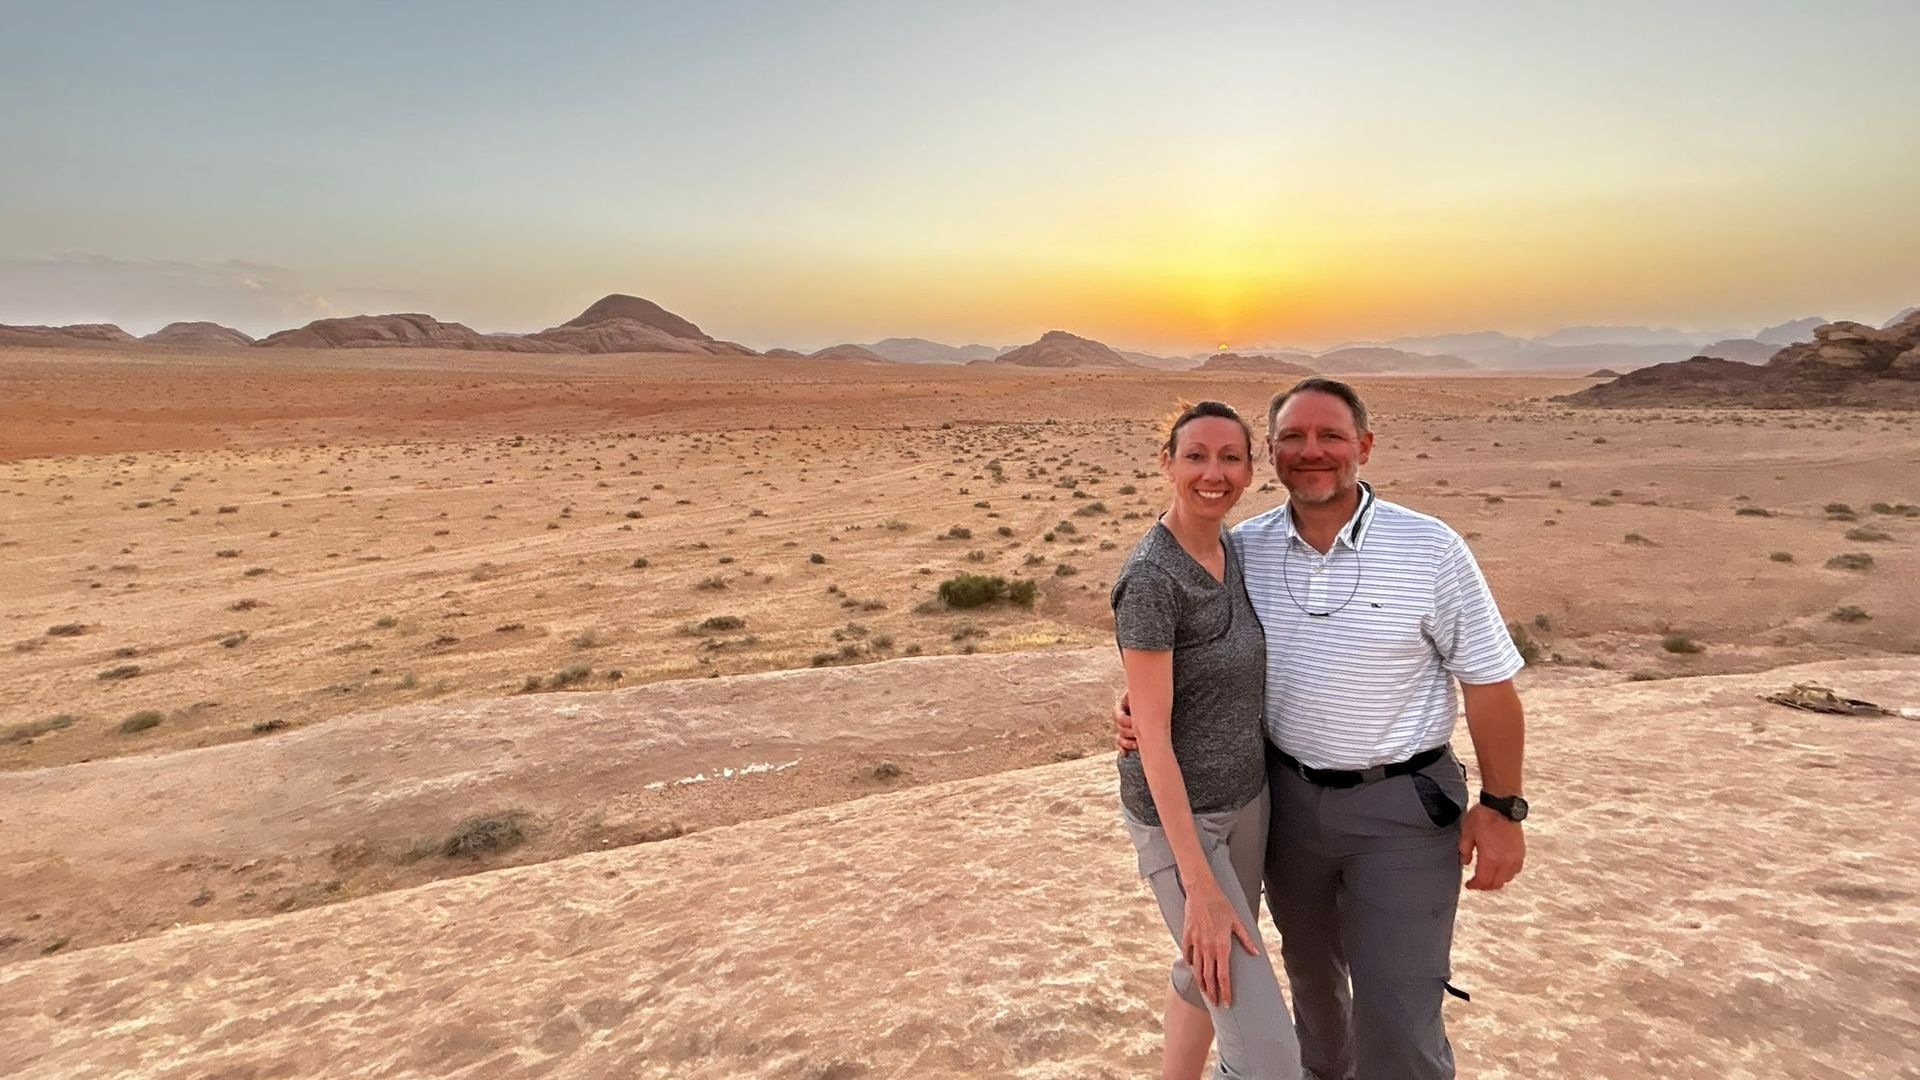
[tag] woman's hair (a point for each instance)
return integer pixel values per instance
(1194, 411)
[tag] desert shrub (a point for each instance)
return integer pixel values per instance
(1066, 528)
(1851, 560)
(37, 728)
(714, 583)
(1752, 511)
(881, 642)
(1542, 622)
(1523, 641)
(71, 629)
(243, 605)
(817, 559)
(1004, 530)
(386, 622)
(1092, 509)
(227, 553)
(140, 721)
(1868, 535)
(640, 563)
(1065, 570)
(1681, 643)
(1022, 592)
(478, 835)
(569, 675)
(263, 727)
(1636, 539)
(1602, 501)
(886, 770)
(120, 671)
(234, 640)
(1849, 614)
(722, 622)
(976, 555)
(972, 590)
(959, 532)
(1840, 511)
(1781, 556)
(1125, 489)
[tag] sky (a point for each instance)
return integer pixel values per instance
(1159, 176)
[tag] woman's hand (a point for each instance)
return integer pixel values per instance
(1207, 940)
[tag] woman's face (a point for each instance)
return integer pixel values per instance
(1211, 465)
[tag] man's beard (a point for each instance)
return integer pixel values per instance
(1343, 481)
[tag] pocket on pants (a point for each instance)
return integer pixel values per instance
(1440, 805)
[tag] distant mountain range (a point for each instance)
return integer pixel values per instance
(620, 323)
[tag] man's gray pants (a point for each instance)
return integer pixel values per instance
(1253, 1038)
(1363, 883)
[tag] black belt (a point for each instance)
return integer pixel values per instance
(1346, 778)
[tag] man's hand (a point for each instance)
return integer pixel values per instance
(1124, 738)
(1494, 845)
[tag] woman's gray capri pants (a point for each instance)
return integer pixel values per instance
(1254, 1036)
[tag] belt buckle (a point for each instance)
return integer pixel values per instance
(1372, 774)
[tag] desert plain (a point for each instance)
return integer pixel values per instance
(423, 713)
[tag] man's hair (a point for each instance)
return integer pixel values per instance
(1197, 410)
(1320, 385)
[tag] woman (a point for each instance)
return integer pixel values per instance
(1195, 796)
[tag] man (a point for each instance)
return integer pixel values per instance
(1372, 612)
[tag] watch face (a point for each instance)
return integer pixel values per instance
(1519, 811)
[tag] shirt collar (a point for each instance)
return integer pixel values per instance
(1354, 533)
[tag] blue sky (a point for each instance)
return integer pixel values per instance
(1152, 175)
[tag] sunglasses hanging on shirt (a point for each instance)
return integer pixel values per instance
(1353, 538)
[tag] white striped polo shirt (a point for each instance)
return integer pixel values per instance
(1363, 643)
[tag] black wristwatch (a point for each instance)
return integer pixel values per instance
(1513, 807)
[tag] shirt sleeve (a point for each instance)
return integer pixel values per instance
(1467, 630)
(1146, 609)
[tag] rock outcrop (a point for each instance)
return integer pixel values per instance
(1264, 363)
(1059, 349)
(72, 334)
(1846, 363)
(1603, 373)
(198, 335)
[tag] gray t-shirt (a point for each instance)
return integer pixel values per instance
(1164, 600)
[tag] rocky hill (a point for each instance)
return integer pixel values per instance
(1059, 349)
(1745, 350)
(198, 335)
(913, 350)
(619, 323)
(849, 351)
(1373, 360)
(73, 334)
(1264, 363)
(407, 330)
(1846, 363)
(613, 324)
(785, 354)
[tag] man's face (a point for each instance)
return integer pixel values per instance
(1316, 450)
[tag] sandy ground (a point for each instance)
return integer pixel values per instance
(356, 598)
(1718, 889)
(273, 542)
